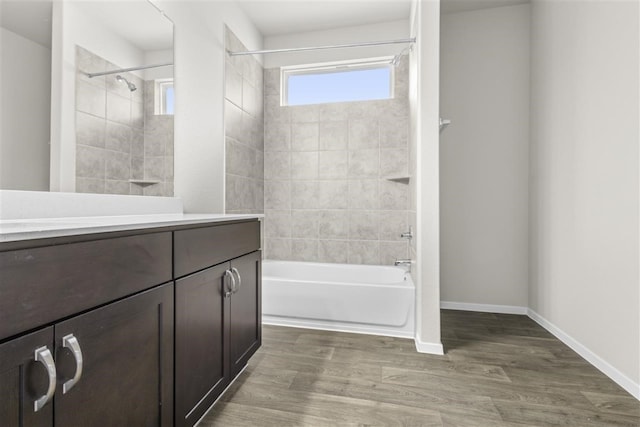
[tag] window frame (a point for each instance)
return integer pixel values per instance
(161, 86)
(336, 67)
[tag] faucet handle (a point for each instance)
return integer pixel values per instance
(407, 234)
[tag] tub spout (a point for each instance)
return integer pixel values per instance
(404, 263)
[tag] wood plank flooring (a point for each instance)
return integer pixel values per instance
(499, 370)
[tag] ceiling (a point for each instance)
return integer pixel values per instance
(30, 19)
(273, 17)
(135, 20)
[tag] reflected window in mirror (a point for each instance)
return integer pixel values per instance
(165, 97)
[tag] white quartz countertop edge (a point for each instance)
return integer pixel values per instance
(17, 230)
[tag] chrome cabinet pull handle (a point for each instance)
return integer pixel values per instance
(43, 355)
(230, 282)
(237, 273)
(71, 342)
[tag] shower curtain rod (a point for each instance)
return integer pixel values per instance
(336, 46)
(124, 70)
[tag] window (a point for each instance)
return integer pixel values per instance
(164, 97)
(337, 82)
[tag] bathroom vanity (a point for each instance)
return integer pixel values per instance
(138, 323)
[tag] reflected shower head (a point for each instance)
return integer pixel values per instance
(130, 85)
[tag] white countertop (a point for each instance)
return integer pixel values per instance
(28, 229)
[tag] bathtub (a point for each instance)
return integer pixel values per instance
(351, 298)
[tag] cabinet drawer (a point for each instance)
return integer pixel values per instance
(41, 285)
(199, 248)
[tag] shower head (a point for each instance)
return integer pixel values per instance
(130, 85)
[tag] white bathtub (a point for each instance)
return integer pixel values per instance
(353, 298)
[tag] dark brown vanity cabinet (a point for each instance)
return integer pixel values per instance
(118, 356)
(102, 350)
(23, 380)
(90, 326)
(218, 319)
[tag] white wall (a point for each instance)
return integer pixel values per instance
(72, 27)
(584, 261)
(484, 156)
(24, 113)
(392, 30)
(199, 82)
(424, 110)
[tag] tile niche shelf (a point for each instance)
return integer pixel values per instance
(400, 179)
(143, 182)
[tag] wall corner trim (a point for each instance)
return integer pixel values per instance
(429, 347)
(484, 308)
(618, 377)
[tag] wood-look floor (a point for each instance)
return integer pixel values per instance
(499, 370)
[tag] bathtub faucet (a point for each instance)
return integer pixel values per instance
(404, 263)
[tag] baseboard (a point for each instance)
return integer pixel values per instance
(484, 308)
(622, 380)
(429, 347)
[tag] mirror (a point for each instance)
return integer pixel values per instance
(111, 120)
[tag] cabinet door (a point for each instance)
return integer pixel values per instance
(200, 360)
(23, 380)
(127, 363)
(246, 312)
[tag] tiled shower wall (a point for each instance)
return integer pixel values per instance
(327, 196)
(118, 136)
(244, 135)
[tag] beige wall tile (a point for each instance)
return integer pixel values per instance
(364, 194)
(116, 187)
(334, 135)
(118, 109)
(232, 121)
(277, 136)
(232, 84)
(363, 134)
(304, 250)
(391, 251)
(277, 194)
(118, 166)
(334, 251)
(277, 165)
(277, 223)
(392, 224)
(364, 252)
(304, 194)
(90, 185)
(117, 138)
(333, 224)
(277, 249)
(364, 163)
(394, 162)
(333, 194)
(364, 225)
(304, 224)
(91, 99)
(394, 195)
(90, 162)
(304, 113)
(272, 81)
(90, 130)
(394, 132)
(304, 137)
(304, 165)
(333, 164)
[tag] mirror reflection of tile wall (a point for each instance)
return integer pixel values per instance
(118, 135)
